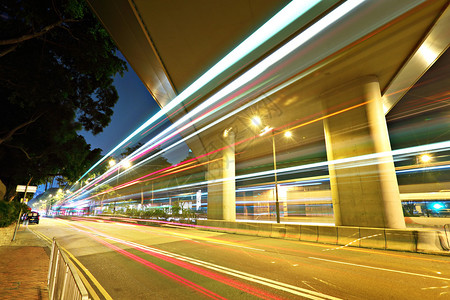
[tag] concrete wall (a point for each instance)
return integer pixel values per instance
(411, 240)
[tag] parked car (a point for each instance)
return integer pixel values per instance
(32, 217)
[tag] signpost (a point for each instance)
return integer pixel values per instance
(26, 189)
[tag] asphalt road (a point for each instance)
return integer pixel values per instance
(141, 262)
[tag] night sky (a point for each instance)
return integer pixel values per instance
(134, 107)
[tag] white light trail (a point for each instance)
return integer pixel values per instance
(284, 17)
(275, 57)
(286, 49)
(417, 149)
(441, 146)
(237, 83)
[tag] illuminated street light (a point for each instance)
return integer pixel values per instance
(266, 130)
(123, 164)
(256, 121)
(227, 131)
(112, 162)
(425, 158)
(438, 206)
(126, 164)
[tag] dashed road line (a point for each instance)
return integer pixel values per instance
(380, 269)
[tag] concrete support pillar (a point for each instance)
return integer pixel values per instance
(222, 189)
(364, 192)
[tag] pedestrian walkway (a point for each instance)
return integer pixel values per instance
(24, 266)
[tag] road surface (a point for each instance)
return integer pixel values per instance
(125, 261)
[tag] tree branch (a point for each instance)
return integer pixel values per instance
(35, 34)
(14, 130)
(70, 32)
(21, 149)
(10, 49)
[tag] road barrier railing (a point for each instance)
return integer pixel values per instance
(63, 279)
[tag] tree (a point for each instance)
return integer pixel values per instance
(58, 197)
(57, 65)
(105, 192)
(130, 150)
(10, 211)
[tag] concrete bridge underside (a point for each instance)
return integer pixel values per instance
(348, 78)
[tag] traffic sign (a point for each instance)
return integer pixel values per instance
(30, 189)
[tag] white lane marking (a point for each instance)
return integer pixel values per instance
(347, 245)
(242, 275)
(323, 281)
(307, 284)
(380, 269)
(247, 276)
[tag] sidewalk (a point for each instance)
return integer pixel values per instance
(23, 265)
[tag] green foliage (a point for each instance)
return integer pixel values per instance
(176, 211)
(161, 213)
(57, 65)
(107, 210)
(188, 214)
(9, 212)
(408, 209)
(150, 213)
(130, 150)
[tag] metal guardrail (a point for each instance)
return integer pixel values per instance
(63, 279)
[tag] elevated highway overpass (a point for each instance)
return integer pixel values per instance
(329, 75)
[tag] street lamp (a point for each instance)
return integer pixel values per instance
(256, 121)
(126, 164)
(123, 164)
(425, 158)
